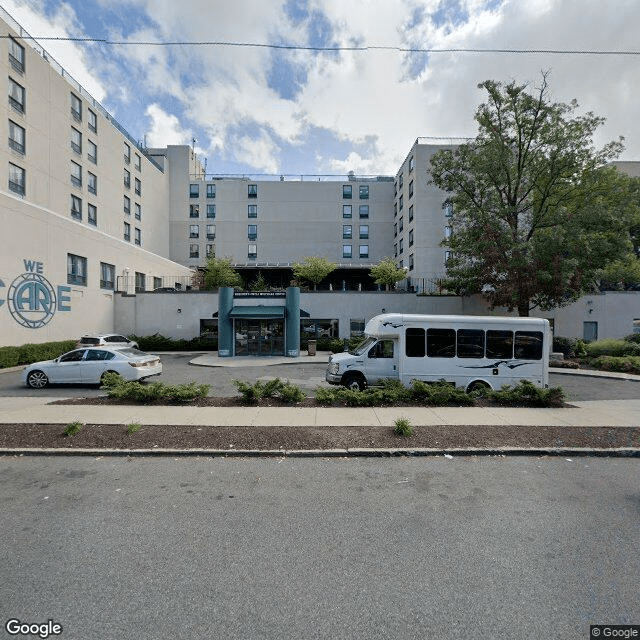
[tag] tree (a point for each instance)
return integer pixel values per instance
(220, 273)
(537, 214)
(314, 269)
(386, 273)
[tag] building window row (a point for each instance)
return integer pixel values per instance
(17, 137)
(194, 250)
(363, 211)
(347, 251)
(194, 190)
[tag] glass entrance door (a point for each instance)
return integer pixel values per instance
(259, 337)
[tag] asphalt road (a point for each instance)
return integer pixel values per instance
(499, 548)
(177, 370)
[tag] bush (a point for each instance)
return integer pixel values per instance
(403, 427)
(275, 388)
(628, 364)
(134, 427)
(72, 429)
(634, 337)
(121, 389)
(528, 394)
(570, 347)
(158, 342)
(612, 347)
(29, 353)
(439, 394)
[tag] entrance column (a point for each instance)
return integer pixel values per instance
(225, 323)
(292, 323)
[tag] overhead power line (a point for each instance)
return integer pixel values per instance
(364, 48)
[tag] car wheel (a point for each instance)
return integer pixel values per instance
(37, 380)
(478, 385)
(355, 382)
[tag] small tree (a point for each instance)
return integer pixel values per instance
(386, 273)
(220, 273)
(259, 284)
(314, 269)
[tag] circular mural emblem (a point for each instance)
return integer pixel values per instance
(31, 300)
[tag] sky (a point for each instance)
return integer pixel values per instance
(262, 110)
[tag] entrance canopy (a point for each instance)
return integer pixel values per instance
(257, 311)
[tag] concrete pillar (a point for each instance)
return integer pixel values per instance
(292, 330)
(225, 323)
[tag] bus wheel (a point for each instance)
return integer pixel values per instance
(478, 385)
(355, 382)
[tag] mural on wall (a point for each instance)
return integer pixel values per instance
(31, 299)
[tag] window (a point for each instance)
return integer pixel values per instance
(415, 343)
(411, 189)
(346, 211)
(410, 213)
(499, 344)
(528, 344)
(194, 210)
(194, 250)
(76, 270)
(395, 230)
(92, 152)
(211, 211)
(194, 190)
(194, 231)
(76, 140)
(400, 181)
(364, 232)
(364, 251)
(252, 231)
(137, 236)
(252, 211)
(17, 137)
(107, 276)
(16, 55)
(470, 343)
(347, 191)
(16, 96)
(76, 107)
(127, 179)
(347, 231)
(138, 187)
(141, 282)
(411, 237)
(92, 214)
(138, 211)
(401, 203)
(363, 210)
(401, 246)
(127, 205)
(447, 209)
(364, 192)
(636, 325)
(127, 232)
(211, 191)
(138, 164)
(347, 251)
(448, 255)
(209, 250)
(17, 179)
(92, 183)
(157, 283)
(76, 174)
(252, 191)
(356, 327)
(441, 343)
(401, 225)
(412, 164)
(127, 153)
(211, 232)
(395, 250)
(411, 262)
(252, 251)
(92, 121)
(447, 232)
(76, 207)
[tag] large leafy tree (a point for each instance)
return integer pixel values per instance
(537, 213)
(314, 269)
(220, 273)
(386, 273)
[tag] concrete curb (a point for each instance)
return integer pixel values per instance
(621, 452)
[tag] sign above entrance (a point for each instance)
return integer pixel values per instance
(260, 294)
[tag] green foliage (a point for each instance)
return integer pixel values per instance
(220, 273)
(121, 389)
(386, 273)
(621, 364)
(528, 394)
(275, 388)
(621, 273)
(72, 429)
(158, 342)
(570, 347)
(612, 347)
(439, 394)
(134, 427)
(537, 215)
(402, 427)
(314, 269)
(259, 284)
(29, 353)
(634, 337)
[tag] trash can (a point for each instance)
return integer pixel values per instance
(311, 348)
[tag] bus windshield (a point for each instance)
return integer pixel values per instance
(359, 350)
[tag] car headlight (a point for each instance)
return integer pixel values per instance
(334, 367)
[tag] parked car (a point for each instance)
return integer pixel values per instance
(106, 340)
(88, 366)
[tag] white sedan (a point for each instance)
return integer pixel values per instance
(88, 366)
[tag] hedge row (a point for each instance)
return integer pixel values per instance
(28, 353)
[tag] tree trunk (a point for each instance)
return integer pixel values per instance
(523, 309)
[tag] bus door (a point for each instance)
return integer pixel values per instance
(382, 361)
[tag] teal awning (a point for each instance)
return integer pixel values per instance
(257, 311)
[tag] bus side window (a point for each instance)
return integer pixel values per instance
(441, 343)
(500, 344)
(470, 343)
(382, 349)
(414, 343)
(529, 345)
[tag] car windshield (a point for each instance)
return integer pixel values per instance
(359, 350)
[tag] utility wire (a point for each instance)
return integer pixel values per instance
(213, 43)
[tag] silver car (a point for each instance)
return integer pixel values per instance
(105, 340)
(88, 366)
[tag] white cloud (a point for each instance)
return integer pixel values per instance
(165, 129)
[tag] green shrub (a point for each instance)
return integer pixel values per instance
(134, 427)
(612, 347)
(439, 394)
(570, 347)
(29, 353)
(285, 391)
(634, 337)
(120, 389)
(291, 394)
(528, 394)
(158, 342)
(627, 364)
(72, 429)
(403, 427)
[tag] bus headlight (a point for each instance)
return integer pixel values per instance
(333, 368)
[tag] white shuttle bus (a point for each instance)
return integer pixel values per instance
(469, 351)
